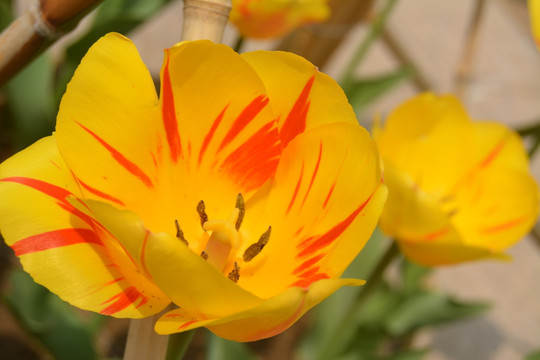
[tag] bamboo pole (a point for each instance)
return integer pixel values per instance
(205, 19)
(143, 342)
(36, 29)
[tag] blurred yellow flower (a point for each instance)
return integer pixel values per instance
(240, 195)
(275, 18)
(534, 12)
(459, 190)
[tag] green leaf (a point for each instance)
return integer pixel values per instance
(50, 320)
(413, 276)
(221, 349)
(427, 308)
(6, 13)
(364, 91)
(409, 354)
(533, 356)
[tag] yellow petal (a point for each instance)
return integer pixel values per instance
(436, 254)
(265, 320)
(323, 206)
(108, 126)
(187, 279)
(310, 97)
(274, 18)
(62, 247)
(419, 138)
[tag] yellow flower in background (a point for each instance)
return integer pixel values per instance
(534, 12)
(459, 189)
(263, 19)
(241, 194)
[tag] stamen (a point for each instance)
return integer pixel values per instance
(234, 275)
(254, 249)
(180, 233)
(201, 209)
(242, 210)
(204, 255)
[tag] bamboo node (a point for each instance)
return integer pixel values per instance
(42, 26)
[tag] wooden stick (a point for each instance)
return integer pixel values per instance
(37, 29)
(143, 342)
(205, 19)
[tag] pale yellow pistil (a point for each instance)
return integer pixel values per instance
(224, 241)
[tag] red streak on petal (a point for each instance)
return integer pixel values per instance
(169, 114)
(329, 237)
(296, 120)
(55, 164)
(186, 324)
(329, 195)
(435, 235)
(493, 153)
(99, 193)
(307, 264)
(305, 283)
(314, 175)
(104, 285)
(246, 116)
(55, 239)
(299, 231)
(309, 272)
(504, 226)
(256, 160)
(295, 193)
(122, 300)
(210, 134)
(143, 252)
(127, 164)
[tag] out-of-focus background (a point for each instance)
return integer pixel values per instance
(497, 75)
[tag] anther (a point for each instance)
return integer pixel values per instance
(204, 255)
(201, 209)
(180, 233)
(254, 249)
(234, 275)
(242, 210)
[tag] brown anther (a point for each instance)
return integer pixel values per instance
(204, 255)
(254, 249)
(242, 210)
(180, 233)
(201, 209)
(234, 275)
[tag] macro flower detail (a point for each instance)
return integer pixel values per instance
(264, 19)
(459, 189)
(239, 195)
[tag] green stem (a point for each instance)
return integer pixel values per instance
(374, 31)
(345, 330)
(239, 43)
(178, 345)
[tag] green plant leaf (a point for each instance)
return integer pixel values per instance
(221, 349)
(425, 308)
(50, 320)
(413, 276)
(364, 91)
(533, 356)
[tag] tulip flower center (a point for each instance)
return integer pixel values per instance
(222, 246)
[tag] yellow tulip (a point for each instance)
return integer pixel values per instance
(275, 18)
(534, 13)
(240, 195)
(459, 189)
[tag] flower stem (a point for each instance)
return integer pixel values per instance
(374, 31)
(345, 330)
(178, 345)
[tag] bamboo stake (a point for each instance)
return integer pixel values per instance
(143, 342)
(35, 30)
(205, 19)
